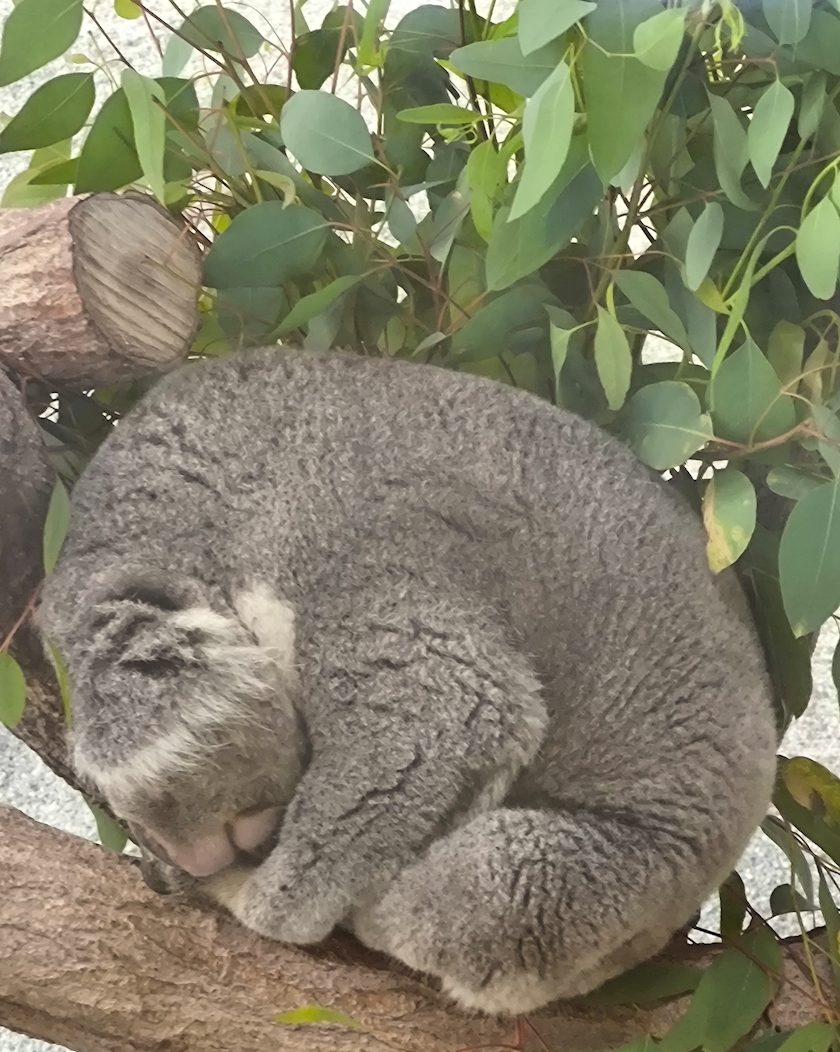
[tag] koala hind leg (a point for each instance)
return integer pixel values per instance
(539, 905)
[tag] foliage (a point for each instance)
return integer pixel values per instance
(527, 198)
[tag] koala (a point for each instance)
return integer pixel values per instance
(371, 644)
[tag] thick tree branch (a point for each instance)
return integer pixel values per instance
(91, 959)
(96, 290)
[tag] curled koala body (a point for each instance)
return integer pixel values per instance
(370, 644)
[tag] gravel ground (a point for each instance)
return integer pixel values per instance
(25, 782)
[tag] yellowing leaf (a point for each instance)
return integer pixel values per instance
(729, 506)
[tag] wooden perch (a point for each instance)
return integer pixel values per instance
(96, 290)
(91, 959)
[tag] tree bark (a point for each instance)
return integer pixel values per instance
(96, 290)
(91, 959)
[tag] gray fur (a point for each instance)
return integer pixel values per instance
(463, 640)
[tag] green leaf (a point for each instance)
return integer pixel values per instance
(609, 74)
(729, 505)
(657, 40)
(812, 105)
(730, 998)
(12, 690)
(789, 20)
(111, 834)
(316, 1014)
(267, 244)
(439, 113)
(108, 159)
(222, 29)
(817, 249)
(489, 331)
(646, 984)
(746, 400)
(62, 678)
(703, 243)
(649, 298)
(613, 359)
(831, 917)
(326, 134)
(146, 101)
(785, 348)
(785, 899)
(517, 249)
(547, 134)
(561, 329)
(813, 1037)
(127, 9)
(733, 907)
(374, 17)
(790, 483)
(731, 151)
(56, 525)
(176, 55)
(541, 21)
(502, 62)
(768, 128)
(807, 820)
(26, 190)
(809, 559)
(782, 836)
(306, 308)
(664, 424)
(34, 33)
(52, 113)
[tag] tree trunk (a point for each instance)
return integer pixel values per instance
(96, 290)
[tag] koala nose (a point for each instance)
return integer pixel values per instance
(202, 857)
(249, 830)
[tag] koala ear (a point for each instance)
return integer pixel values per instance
(155, 623)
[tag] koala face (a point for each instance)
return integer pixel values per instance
(184, 718)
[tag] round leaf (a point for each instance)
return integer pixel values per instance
(12, 690)
(264, 246)
(52, 113)
(729, 505)
(818, 249)
(746, 399)
(325, 133)
(34, 33)
(664, 424)
(703, 243)
(809, 559)
(221, 29)
(789, 20)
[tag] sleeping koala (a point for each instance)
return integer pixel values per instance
(363, 643)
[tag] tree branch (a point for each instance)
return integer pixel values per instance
(96, 290)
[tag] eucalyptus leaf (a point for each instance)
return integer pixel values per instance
(612, 358)
(703, 243)
(52, 113)
(217, 28)
(768, 128)
(665, 424)
(649, 298)
(265, 245)
(789, 20)
(809, 559)
(547, 134)
(146, 102)
(325, 133)
(657, 40)
(12, 690)
(502, 62)
(56, 525)
(729, 509)
(817, 249)
(34, 33)
(541, 21)
(746, 398)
